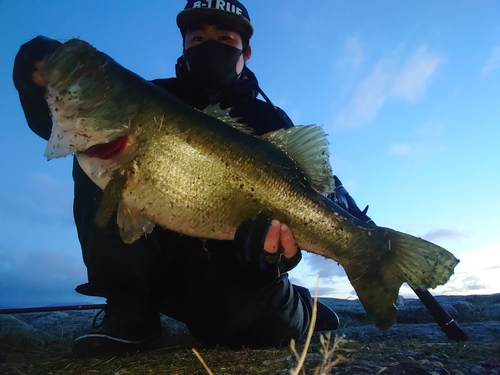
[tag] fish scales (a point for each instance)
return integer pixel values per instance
(195, 174)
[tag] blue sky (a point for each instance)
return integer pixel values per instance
(408, 92)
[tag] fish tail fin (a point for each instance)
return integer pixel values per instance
(400, 258)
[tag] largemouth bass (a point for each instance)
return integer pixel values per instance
(161, 162)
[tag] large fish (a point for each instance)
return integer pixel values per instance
(161, 162)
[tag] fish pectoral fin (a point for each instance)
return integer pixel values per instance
(111, 197)
(132, 223)
(400, 258)
(308, 147)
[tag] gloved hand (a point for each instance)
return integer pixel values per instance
(344, 200)
(24, 64)
(250, 238)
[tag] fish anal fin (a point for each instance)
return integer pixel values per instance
(132, 223)
(378, 293)
(308, 147)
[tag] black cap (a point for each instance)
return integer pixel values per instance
(228, 12)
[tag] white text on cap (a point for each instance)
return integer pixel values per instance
(218, 4)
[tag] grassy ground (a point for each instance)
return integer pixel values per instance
(41, 344)
(369, 354)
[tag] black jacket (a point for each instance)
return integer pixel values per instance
(241, 97)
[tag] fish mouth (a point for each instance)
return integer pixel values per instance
(106, 151)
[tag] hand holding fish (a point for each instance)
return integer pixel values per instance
(29, 61)
(266, 246)
(38, 75)
(279, 236)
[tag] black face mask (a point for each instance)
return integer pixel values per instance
(212, 64)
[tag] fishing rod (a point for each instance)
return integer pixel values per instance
(447, 324)
(27, 310)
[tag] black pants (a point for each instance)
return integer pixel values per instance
(199, 283)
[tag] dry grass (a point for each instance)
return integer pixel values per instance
(411, 348)
(327, 350)
(365, 356)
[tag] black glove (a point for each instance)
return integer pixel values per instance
(250, 252)
(344, 200)
(24, 64)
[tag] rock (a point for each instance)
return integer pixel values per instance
(463, 309)
(17, 334)
(415, 345)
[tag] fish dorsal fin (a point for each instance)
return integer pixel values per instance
(223, 115)
(308, 147)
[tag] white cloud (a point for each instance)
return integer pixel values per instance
(477, 272)
(485, 282)
(389, 79)
(369, 97)
(413, 78)
(440, 234)
(315, 270)
(353, 54)
(493, 61)
(427, 144)
(354, 50)
(41, 199)
(402, 149)
(40, 278)
(325, 268)
(484, 257)
(432, 130)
